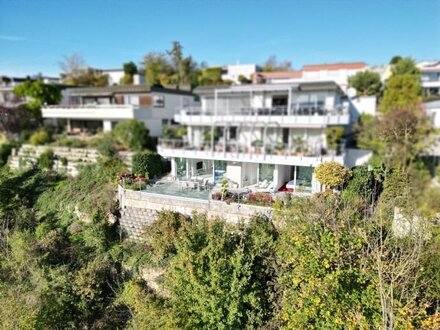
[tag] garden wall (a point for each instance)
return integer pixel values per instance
(139, 208)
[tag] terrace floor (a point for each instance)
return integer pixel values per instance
(174, 188)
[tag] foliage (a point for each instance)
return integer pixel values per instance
(76, 72)
(40, 137)
(38, 94)
(130, 69)
(133, 135)
(218, 278)
(366, 83)
(210, 76)
(5, 152)
(46, 159)
(171, 67)
(106, 145)
(272, 64)
(243, 80)
(147, 164)
(332, 174)
(320, 268)
(404, 66)
(362, 185)
(173, 132)
(402, 92)
(333, 136)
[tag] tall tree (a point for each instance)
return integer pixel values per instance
(156, 65)
(402, 91)
(76, 72)
(366, 83)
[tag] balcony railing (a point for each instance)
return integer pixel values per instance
(299, 109)
(278, 149)
(91, 106)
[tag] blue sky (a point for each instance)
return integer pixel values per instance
(34, 35)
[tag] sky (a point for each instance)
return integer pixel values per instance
(36, 34)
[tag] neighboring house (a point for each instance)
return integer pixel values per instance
(265, 137)
(115, 76)
(101, 108)
(337, 72)
(430, 76)
(7, 85)
(234, 71)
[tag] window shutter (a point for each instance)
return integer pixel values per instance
(146, 100)
(119, 99)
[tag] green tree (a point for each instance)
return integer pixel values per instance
(130, 69)
(38, 94)
(133, 135)
(402, 92)
(366, 83)
(156, 65)
(147, 163)
(404, 66)
(332, 174)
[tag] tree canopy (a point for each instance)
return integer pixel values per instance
(366, 83)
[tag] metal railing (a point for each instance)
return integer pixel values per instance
(299, 109)
(275, 149)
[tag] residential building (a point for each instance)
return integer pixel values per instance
(265, 137)
(234, 71)
(337, 72)
(7, 85)
(430, 76)
(101, 108)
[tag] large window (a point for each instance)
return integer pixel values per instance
(304, 179)
(265, 172)
(181, 167)
(219, 170)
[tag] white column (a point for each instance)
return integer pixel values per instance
(173, 168)
(107, 125)
(188, 169)
(69, 127)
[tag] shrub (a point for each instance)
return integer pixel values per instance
(106, 146)
(39, 138)
(333, 136)
(64, 161)
(5, 152)
(147, 163)
(46, 159)
(133, 135)
(332, 174)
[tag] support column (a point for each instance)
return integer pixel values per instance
(173, 168)
(107, 125)
(69, 126)
(188, 169)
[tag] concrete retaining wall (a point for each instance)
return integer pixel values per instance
(139, 208)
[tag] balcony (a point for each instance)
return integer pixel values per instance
(281, 154)
(297, 116)
(91, 111)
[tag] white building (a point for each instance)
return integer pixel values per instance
(266, 136)
(101, 108)
(233, 72)
(337, 72)
(430, 75)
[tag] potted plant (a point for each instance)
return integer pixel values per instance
(279, 148)
(298, 141)
(257, 145)
(333, 136)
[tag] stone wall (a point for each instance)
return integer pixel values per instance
(27, 156)
(139, 208)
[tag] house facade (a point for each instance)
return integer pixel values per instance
(101, 108)
(430, 77)
(269, 137)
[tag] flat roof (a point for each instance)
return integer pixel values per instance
(122, 89)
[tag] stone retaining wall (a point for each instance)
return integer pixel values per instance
(139, 208)
(28, 154)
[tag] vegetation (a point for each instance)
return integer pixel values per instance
(366, 83)
(402, 92)
(130, 69)
(333, 136)
(272, 64)
(147, 164)
(332, 174)
(76, 72)
(40, 137)
(133, 135)
(46, 160)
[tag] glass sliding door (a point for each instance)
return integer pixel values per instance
(304, 177)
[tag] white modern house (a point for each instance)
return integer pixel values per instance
(101, 108)
(267, 137)
(430, 76)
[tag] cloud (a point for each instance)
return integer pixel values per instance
(11, 38)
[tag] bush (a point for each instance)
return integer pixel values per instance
(133, 135)
(332, 174)
(106, 146)
(147, 163)
(333, 136)
(5, 152)
(39, 138)
(46, 159)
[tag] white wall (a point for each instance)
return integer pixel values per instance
(362, 105)
(234, 71)
(233, 173)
